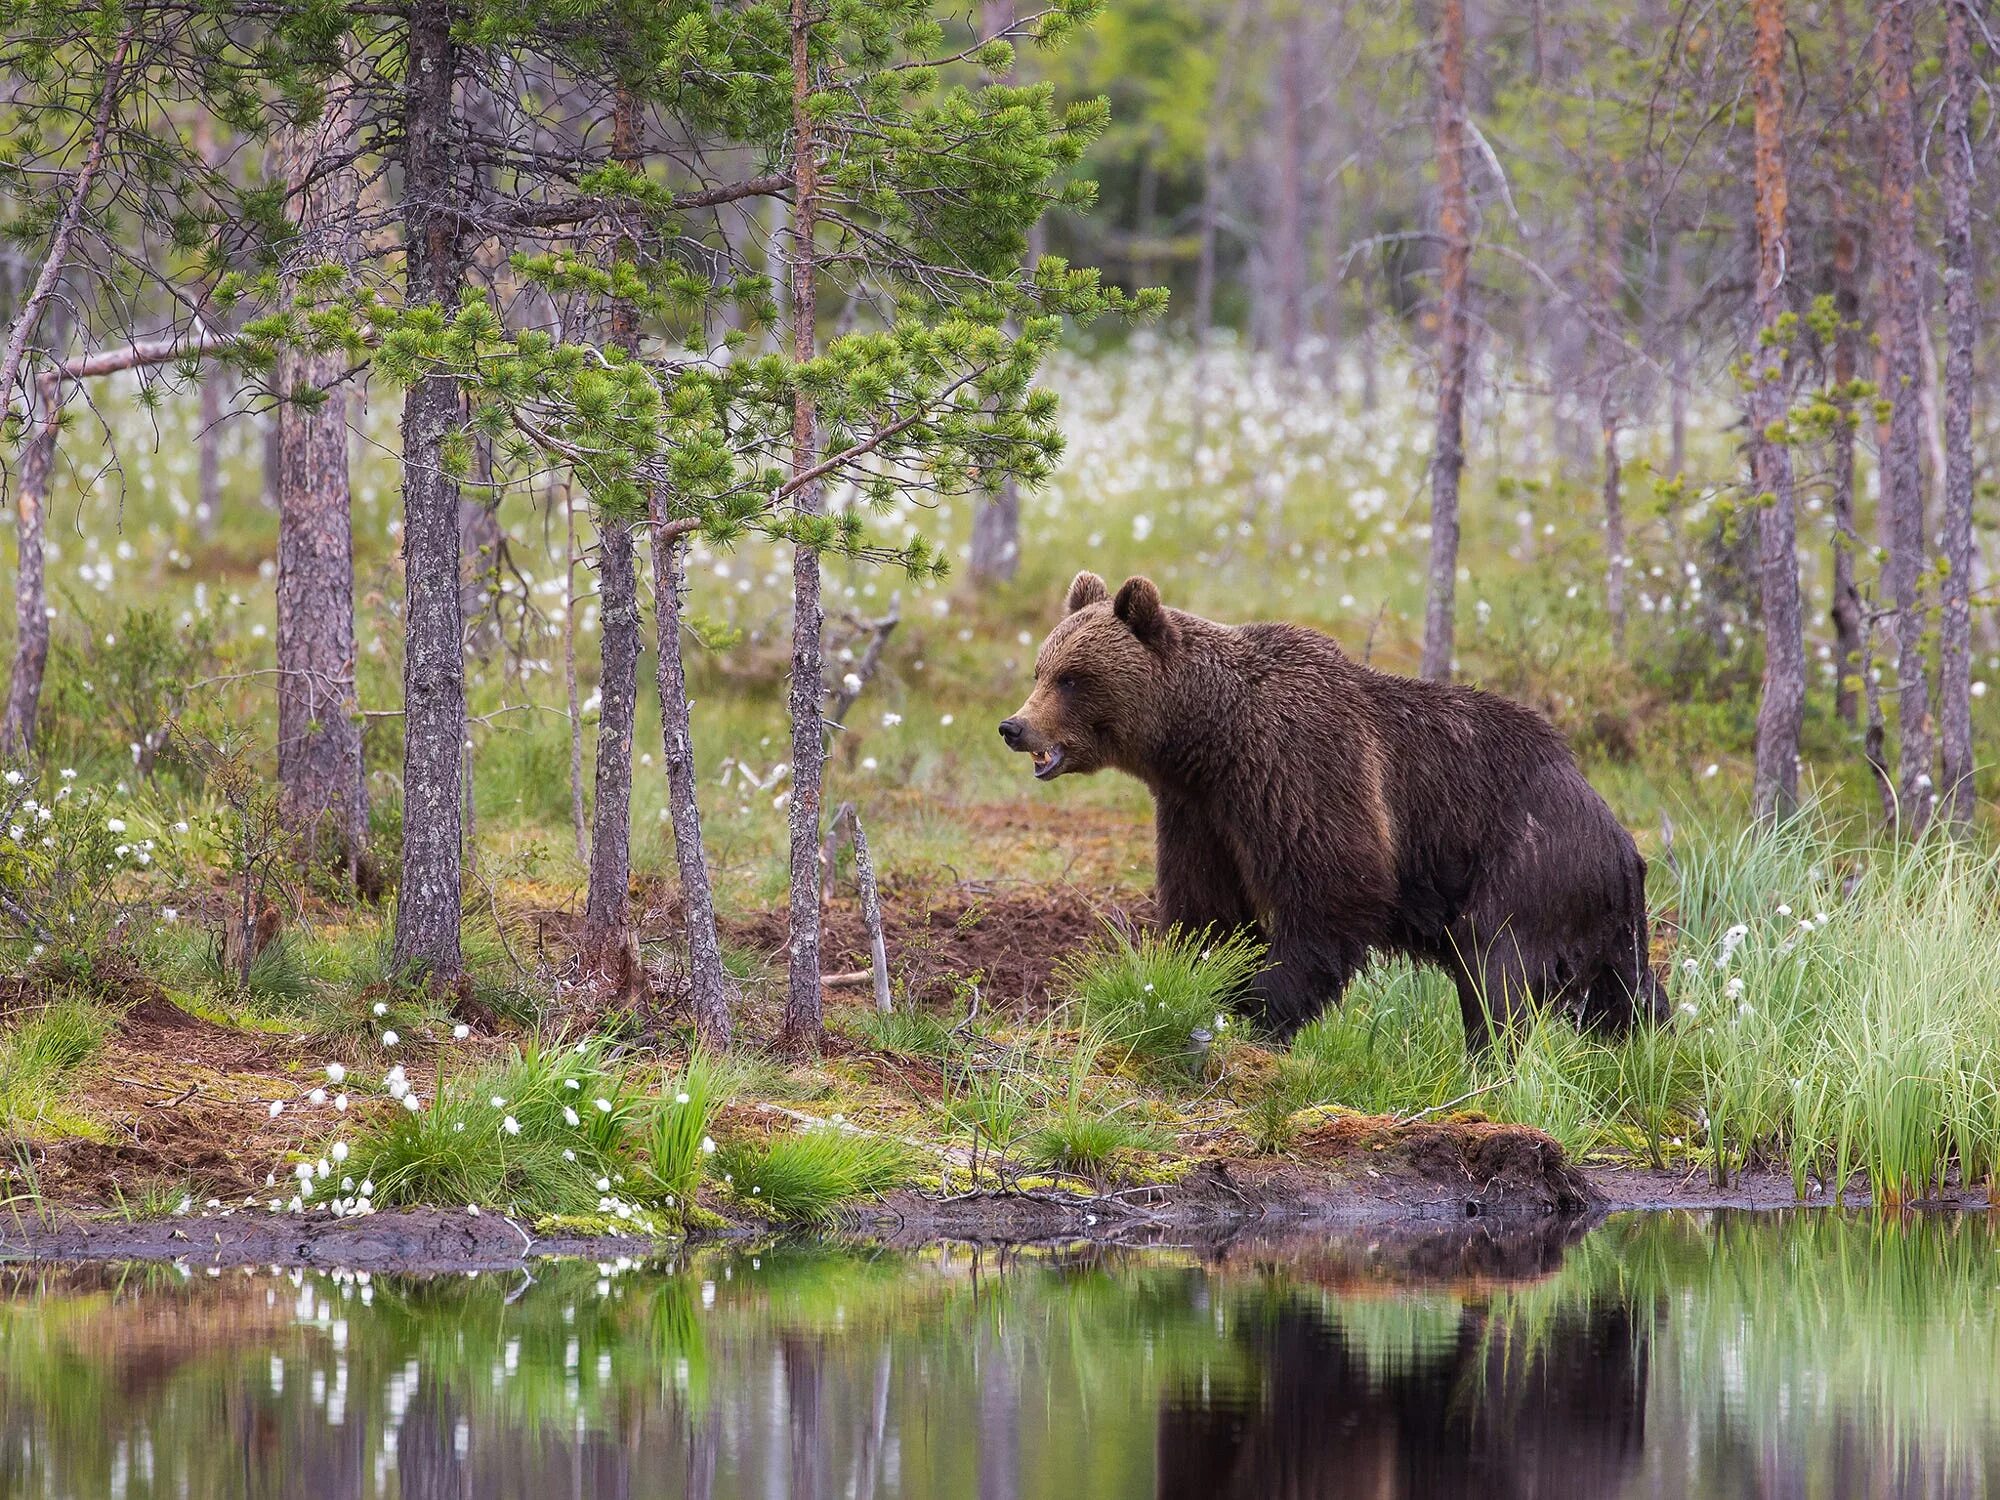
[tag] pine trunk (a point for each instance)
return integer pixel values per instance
(609, 949)
(804, 1002)
(31, 611)
(428, 904)
(1448, 453)
(1781, 708)
(320, 776)
(1902, 460)
(1961, 328)
(707, 996)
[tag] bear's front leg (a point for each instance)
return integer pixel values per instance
(1197, 885)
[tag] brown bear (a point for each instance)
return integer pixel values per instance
(1335, 811)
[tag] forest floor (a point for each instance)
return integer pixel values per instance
(177, 1105)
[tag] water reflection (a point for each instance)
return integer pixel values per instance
(1674, 1355)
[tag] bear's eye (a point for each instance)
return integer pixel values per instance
(1067, 682)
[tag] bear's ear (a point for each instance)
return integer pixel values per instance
(1084, 590)
(1138, 605)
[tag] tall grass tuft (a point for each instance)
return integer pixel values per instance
(40, 1054)
(807, 1177)
(544, 1133)
(675, 1136)
(1152, 994)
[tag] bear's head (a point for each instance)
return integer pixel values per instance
(1099, 681)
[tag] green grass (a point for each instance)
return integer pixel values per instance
(674, 1133)
(809, 1176)
(545, 1133)
(38, 1056)
(1164, 998)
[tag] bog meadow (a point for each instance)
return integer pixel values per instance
(527, 519)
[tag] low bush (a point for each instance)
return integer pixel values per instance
(1162, 997)
(808, 1176)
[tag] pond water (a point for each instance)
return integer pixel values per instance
(1665, 1355)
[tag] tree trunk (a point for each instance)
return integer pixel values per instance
(996, 525)
(804, 1001)
(1289, 220)
(1846, 607)
(707, 996)
(578, 825)
(428, 905)
(1210, 214)
(1614, 523)
(1961, 327)
(31, 603)
(1448, 453)
(1902, 462)
(609, 949)
(208, 433)
(1781, 708)
(320, 776)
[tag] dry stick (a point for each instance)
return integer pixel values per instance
(45, 282)
(871, 911)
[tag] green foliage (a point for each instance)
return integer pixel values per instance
(75, 870)
(36, 1057)
(807, 1177)
(1164, 997)
(675, 1135)
(1081, 1137)
(544, 1133)
(116, 688)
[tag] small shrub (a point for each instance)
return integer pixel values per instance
(1152, 995)
(1087, 1140)
(805, 1178)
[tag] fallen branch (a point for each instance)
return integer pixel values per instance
(1449, 1104)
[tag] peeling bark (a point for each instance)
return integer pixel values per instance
(1454, 338)
(1961, 328)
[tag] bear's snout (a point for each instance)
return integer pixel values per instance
(1013, 731)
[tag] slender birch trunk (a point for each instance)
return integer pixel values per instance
(1454, 337)
(31, 603)
(805, 1000)
(1961, 328)
(1902, 462)
(1781, 707)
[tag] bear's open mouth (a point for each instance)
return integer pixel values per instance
(1047, 762)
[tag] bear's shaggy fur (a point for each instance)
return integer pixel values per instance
(1334, 811)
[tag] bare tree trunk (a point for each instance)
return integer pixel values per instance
(1448, 452)
(577, 824)
(1902, 462)
(1614, 523)
(1677, 362)
(609, 948)
(30, 312)
(1781, 708)
(1210, 215)
(707, 996)
(996, 525)
(208, 453)
(1289, 221)
(805, 1000)
(428, 904)
(1961, 314)
(479, 543)
(31, 603)
(1846, 607)
(320, 773)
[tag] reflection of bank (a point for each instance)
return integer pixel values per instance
(1485, 1411)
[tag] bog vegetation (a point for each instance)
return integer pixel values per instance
(486, 575)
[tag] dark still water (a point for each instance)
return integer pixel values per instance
(1794, 1356)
